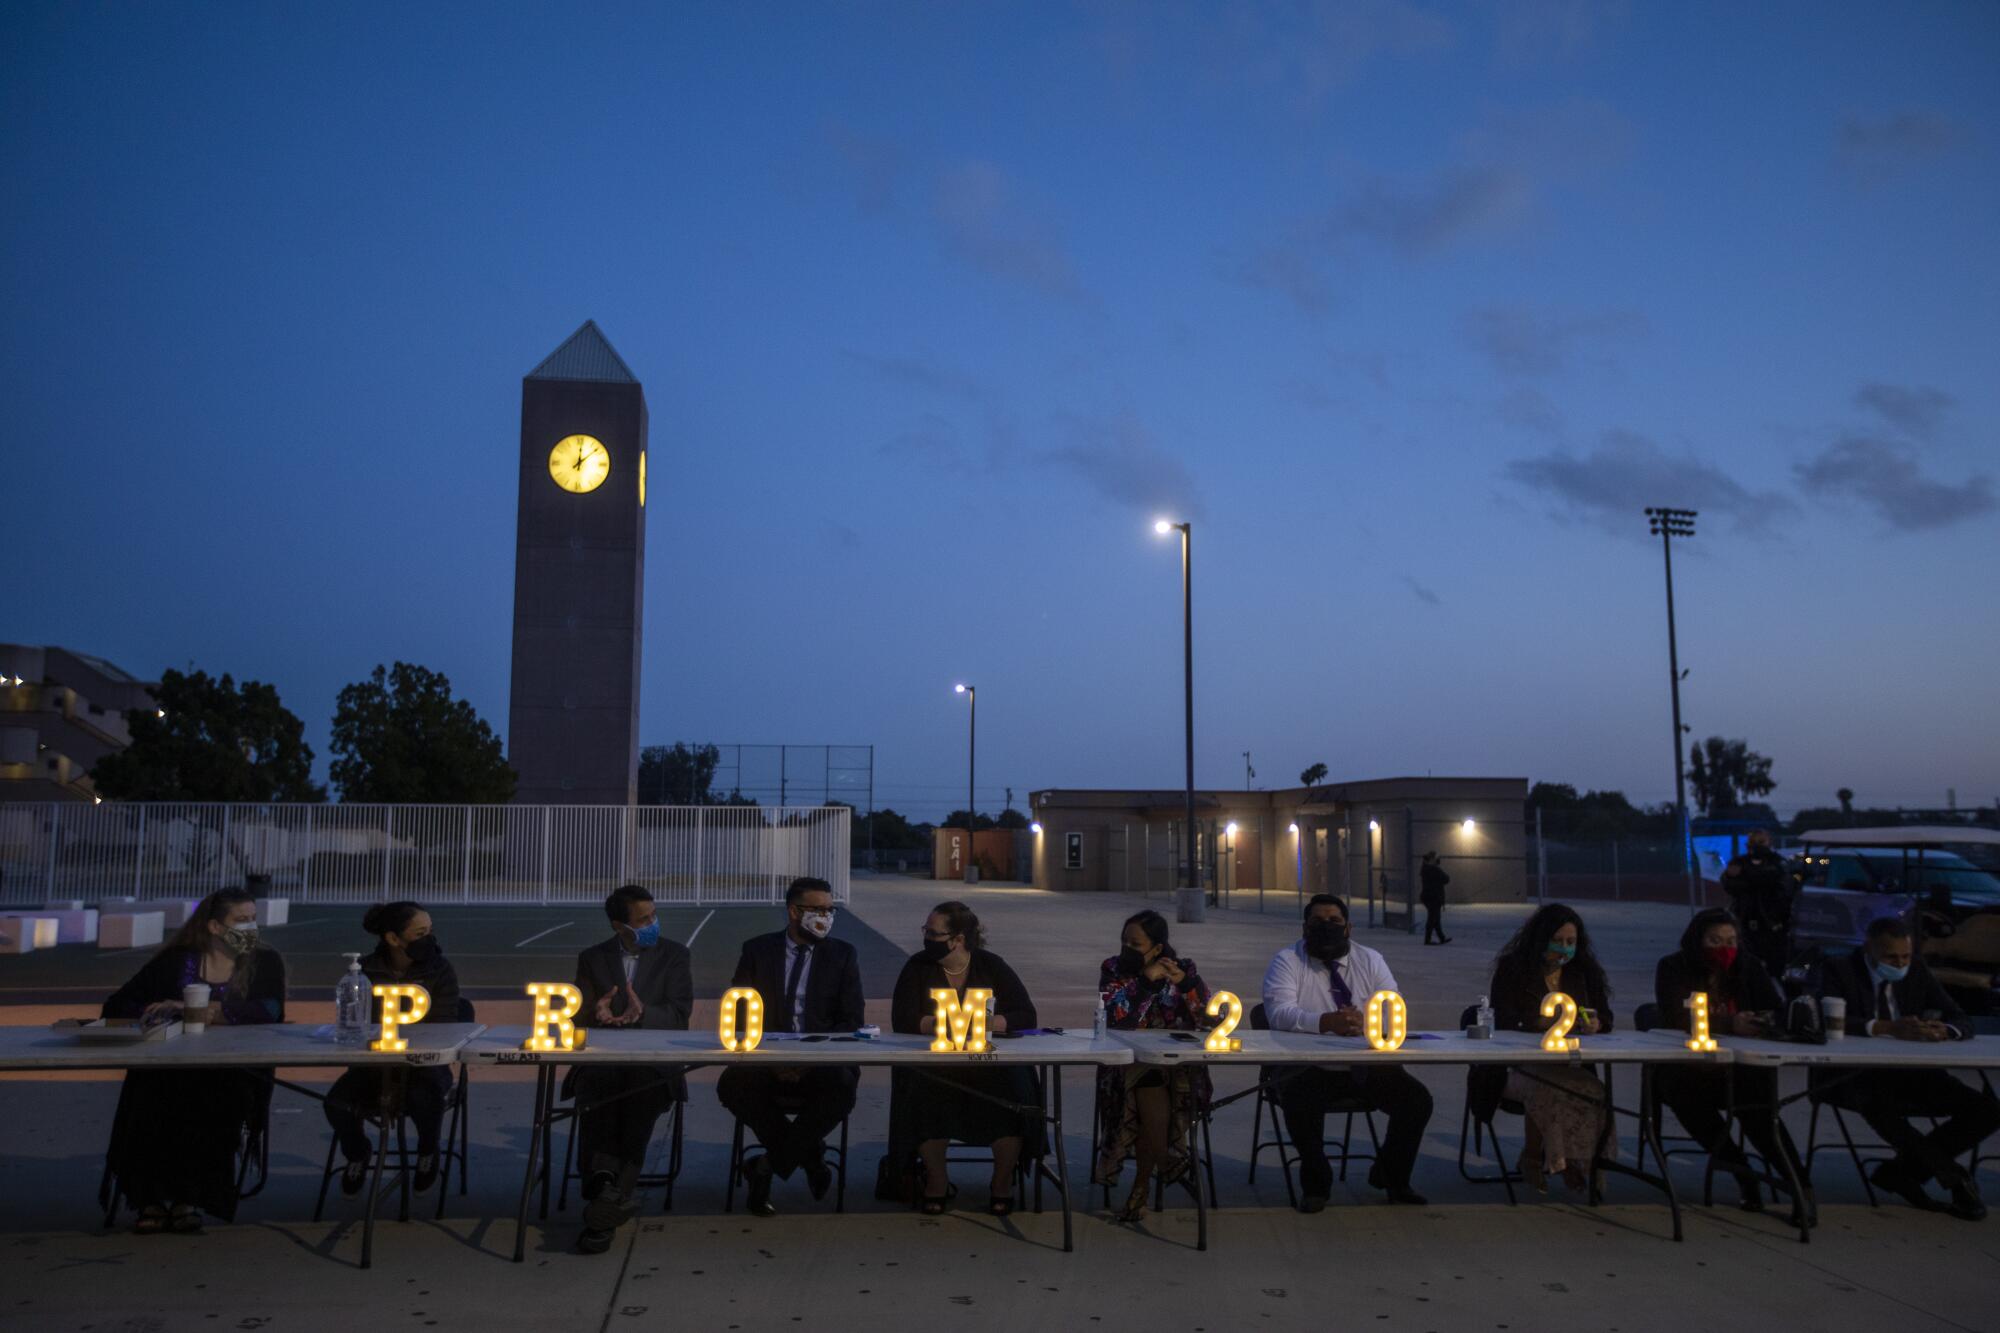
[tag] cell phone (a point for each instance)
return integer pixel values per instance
(1181, 1036)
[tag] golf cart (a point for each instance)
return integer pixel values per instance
(1853, 876)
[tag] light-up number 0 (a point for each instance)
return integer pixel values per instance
(1221, 1037)
(1700, 1041)
(1387, 1036)
(1560, 1007)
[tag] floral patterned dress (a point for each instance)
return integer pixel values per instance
(1130, 1003)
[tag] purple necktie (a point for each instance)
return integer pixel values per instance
(1343, 998)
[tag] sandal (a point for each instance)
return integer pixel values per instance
(184, 1221)
(1530, 1167)
(1000, 1205)
(934, 1204)
(152, 1221)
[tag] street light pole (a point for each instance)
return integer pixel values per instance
(1667, 524)
(971, 771)
(1189, 906)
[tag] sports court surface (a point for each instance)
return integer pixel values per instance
(496, 950)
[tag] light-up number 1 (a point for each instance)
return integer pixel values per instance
(1221, 1037)
(1387, 1036)
(1560, 1007)
(1700, 1041)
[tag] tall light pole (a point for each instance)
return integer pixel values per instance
(971, 770)
(1668, 524)
(1189, 905)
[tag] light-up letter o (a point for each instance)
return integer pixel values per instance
(1387, 1036)
(753, 1019)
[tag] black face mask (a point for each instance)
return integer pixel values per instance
(934, 950)
(422, 950)
(1327, 940)
(1131, 962)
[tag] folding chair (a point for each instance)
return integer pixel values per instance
(1159, 1184)
(1267, 1098)
(675, 1113)
(739, 1154)
(255, 1150)
(454, 1147)
(1485, 1096)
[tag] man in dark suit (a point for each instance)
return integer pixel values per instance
(809, 982)
(1891, 995)
(635, 979)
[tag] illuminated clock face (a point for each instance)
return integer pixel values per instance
(642, 479)
(579, 464)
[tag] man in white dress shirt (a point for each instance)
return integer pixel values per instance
(1319, 984)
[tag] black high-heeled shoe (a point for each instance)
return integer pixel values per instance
(1000, 1205)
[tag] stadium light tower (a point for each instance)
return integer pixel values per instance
(971, 768)
(1668, 524)
(1189, 905)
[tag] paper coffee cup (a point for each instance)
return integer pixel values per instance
(1833, 1013)
(194, 1008)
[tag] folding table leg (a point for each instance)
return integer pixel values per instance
(537, 1133)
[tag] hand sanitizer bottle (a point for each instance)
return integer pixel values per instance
(350, 1004)
(1482, 1019)
(1097, 1027)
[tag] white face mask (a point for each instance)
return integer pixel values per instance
(816, 924)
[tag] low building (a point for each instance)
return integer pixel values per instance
(60, 712)
(1335, 838)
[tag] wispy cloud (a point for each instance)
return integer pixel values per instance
(918, 373)
(1520, 341)
(930, 440)
(876, 166)
(1422, 594)
(984, 218)
(1876, 150)
(1913, 409)
(1613, 483)
(1531, 33)
(1423, 217)
(1289, 267)
(1119, 460)
(1528, 408)
(1886, 478)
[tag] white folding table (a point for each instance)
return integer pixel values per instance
(1047, 1052)
(262, 1048)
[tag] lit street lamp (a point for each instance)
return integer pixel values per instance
(1189, 904)
(1668, 524)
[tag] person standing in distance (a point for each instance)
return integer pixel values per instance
(1432, 897)
(1761, 891)
(809, 982)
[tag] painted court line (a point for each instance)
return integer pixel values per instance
(538, 934)
(697, 930)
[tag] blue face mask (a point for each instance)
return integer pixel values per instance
(1883, 972)
(1565, 952)
(648, 935)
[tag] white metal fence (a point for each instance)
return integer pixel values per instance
(433, 853)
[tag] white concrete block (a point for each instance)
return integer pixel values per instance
(130, 930)
(274, 911)
(45, 927)
(17, 935)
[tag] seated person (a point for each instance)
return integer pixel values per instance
(1567, 1126)
(1892, 996)
(177, 1131)
(1743, 1001)
(996, 1105)
(634, 979)
(809, 982)
(406, 952)
(1318, 984)
(1144, 1111)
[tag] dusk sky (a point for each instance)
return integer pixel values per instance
(1412, 309)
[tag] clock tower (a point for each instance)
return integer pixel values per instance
(579, 578)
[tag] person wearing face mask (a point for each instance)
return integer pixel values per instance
(1319, 984)
(406, 953)
(1567, 1127)
(1743, 1001)
(1762, 891)
(1143, 1111)
(1891, 995)
(176, 1132)
(974, 1105)
(635, 979)
(809, 982)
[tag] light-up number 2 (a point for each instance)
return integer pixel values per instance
(1560, 1007)
(1221, 1037)
(1700, 1041)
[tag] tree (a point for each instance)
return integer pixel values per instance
(959, 819)
(1724, 772)
(891, 832)
(215, 742)
(1846, 798)
(400, 738)
(679, 774)
(1313, 776)
(1011, 819)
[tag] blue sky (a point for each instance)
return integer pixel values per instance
(1411, 307)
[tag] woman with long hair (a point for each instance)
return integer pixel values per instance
(1143, 1111)
(1567, 1125)
(406, 953)
(177, 1131)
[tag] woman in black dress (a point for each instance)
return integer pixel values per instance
(175, 1137)
(406, 953)
(1567, 1124)
(1743, 1001)
(979, 1107)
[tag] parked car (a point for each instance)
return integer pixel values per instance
(1853, 876)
